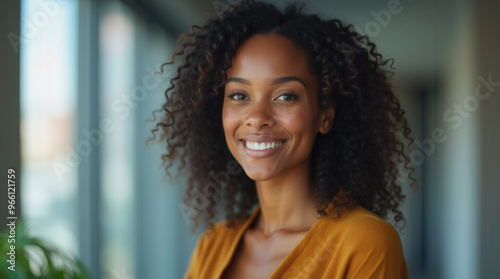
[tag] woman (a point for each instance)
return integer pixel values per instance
(304, 107)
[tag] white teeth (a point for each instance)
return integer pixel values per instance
(262, 146)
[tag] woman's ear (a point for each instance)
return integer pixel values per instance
(326, 118)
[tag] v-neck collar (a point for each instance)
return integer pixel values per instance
(288, 259)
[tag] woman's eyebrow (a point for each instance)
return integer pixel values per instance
(273, 82)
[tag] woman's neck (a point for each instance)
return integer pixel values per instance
(286, 202)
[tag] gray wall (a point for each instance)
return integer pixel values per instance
(488, 45)
(10, 15)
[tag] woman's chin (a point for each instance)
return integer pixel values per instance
(260, 175)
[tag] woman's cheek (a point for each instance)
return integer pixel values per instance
(229, 117)
(297, 120)
(230, 122)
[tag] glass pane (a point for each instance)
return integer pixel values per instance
(48, 94)
(118, 102)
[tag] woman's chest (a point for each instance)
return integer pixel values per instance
(259, 263)
(257, 258)
(241, 267)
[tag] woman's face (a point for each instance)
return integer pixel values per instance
(271, 111)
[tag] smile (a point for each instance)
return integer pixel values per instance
(261, 149)
(262, 145)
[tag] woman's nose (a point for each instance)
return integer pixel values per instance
(259, 116)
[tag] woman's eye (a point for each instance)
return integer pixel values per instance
(287, 97)
(237, 96)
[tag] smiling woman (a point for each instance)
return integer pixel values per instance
(305, 108)
(272, 100)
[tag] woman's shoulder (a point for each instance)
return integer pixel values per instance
(219, 232)
(361, 227)
(222, 232)
(363, 245)
(360, 217)
(212, 247)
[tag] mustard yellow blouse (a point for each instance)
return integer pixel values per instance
(357, 245)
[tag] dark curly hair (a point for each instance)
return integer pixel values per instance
(360, 154)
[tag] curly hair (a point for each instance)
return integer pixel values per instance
(360, 154)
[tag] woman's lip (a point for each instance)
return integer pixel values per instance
(261, 138)
(259, 154)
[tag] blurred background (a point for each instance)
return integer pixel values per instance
(78, 85)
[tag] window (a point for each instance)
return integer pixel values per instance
(48, 112)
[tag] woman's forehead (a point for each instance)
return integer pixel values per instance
(269, 54)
